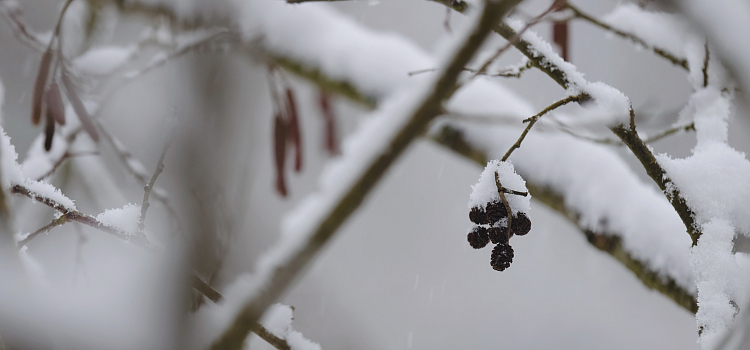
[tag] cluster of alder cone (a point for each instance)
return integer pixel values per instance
(492, 226)
(286, 126)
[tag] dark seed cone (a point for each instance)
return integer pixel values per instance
(520, 225)
(478, 216)
(502, 257)
(496, 211)
(498, 235)
(478, 237)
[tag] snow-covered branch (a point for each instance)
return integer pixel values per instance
(567, 76)
(51, 197)
(399, 125)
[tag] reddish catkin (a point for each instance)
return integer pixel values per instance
(37, 100)
(294, 128)
(329, 118)
(49, 130)
(279, 142)
(560, 37)
(55, 105)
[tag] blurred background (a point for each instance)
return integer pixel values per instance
(399, 274)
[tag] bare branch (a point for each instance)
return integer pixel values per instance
(46, 228)
(630, 36)
(67, 155)
(533, 120)
(150, 186)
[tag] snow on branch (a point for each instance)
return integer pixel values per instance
(567, 76)
(388, 135)
(50, 196)
(303, 64)
(657, 256)
(664, 34)
(676, 283)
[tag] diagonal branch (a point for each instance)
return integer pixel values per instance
(578, 13)
(77, 216)
(427, 109)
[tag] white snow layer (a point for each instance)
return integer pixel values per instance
(609, 107)
(713, 181)
(48, 191)
(123, 219)
(10, 171)
(278, 321)
(485, 190)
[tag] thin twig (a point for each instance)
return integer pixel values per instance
(150, 186)
(136, 168)
(509, 72)
(74, 215)
(632, 37)
(46, 228)
(512, 41)
(532, 121)
(705, 65)
(67, 155)
(19, 27)
(668, 132)
(501, 192)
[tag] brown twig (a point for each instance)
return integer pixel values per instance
(513, 40)
(630, 36)
(67, 155)
(46, 228)
(74, 215)
(533, 120)
(509, 213)
(150, 186)
(705, 65)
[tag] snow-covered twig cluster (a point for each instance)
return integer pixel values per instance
(703, 194)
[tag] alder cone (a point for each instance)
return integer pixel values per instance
(478, 237)
(496, 211)
(478, 216)
(502, 257)
(520, 225)
(498, 235)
